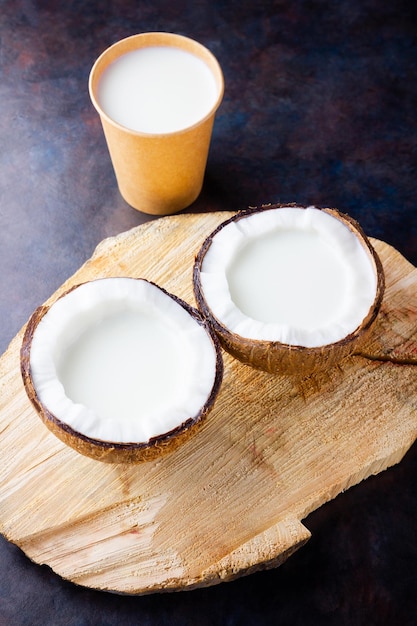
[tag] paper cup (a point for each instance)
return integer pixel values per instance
(158, 173)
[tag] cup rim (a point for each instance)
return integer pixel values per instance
(151, 39)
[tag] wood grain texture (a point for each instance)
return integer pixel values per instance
(232, 498)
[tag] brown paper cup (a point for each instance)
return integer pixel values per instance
(157, 174)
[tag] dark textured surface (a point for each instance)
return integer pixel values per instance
(320, 107)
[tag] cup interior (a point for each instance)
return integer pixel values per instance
(148, 40)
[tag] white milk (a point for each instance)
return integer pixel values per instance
(159, 89)
(289, 277)
(126, 367)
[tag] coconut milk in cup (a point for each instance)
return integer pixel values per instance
(157, 95)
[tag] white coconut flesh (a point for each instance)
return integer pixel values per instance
(295, 275)
(119, 360)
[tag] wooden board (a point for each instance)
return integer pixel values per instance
(232, 498)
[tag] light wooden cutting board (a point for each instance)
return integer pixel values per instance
(231, 499)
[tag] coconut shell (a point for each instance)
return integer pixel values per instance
(107, 451)
(281, 358)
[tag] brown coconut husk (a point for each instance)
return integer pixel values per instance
(113, 452)
(280, 358)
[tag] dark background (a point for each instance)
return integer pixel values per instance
(320, 108)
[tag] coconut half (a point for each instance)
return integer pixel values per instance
(121, 370)
(289, 289)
